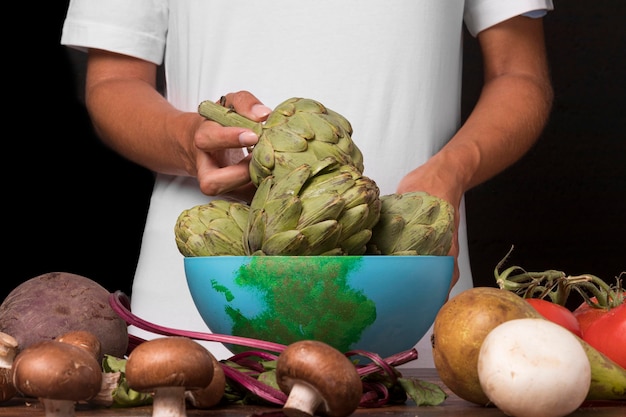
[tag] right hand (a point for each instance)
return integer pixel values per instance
(222, 166)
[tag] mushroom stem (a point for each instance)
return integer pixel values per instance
(317, 378)
(110, 381)
(58, 408)
(303, 399)
(166, 367)
(169, 402)
(8, 350)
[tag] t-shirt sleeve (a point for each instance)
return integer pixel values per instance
(137, 28)
(481, 14)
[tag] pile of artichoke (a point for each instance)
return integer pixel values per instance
(312, 197)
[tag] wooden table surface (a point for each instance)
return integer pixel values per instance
(453, 405)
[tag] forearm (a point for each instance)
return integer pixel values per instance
(135, 120)
(507, 120)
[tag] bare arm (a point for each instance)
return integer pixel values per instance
(507, 120)
(135, 120)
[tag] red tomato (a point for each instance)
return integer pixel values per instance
(587, 314)
(556, 313)
(608, 334)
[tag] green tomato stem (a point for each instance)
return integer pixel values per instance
(557, 285)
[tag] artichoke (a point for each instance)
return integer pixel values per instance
(312, 197)
(414, 223)
(212, 229)
(298, 131)
(326, 208)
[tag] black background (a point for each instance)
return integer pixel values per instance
(73, 205)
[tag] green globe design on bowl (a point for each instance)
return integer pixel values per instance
(381, 304)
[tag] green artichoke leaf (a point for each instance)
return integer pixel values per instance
(287, 243)
(352, 219)
(365, 191)
(240, 214)
(262, 194)
(418, 237)
(290, 184)
(427, 213)
(323, 130)
(282, 139)
(414, 223)
(194, 245)
(263, 156)
(284, 219)
(224, 238)
(337, 182)
(298, 123)
(356, 243)
(321, 237)
(255, 233)
(320, 208)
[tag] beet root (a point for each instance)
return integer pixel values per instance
(55, 303)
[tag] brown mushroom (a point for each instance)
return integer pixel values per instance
(8, 350)
(59, 374)
(211, 395)
(83, 339)
(167, 367)
(317, 378)
(89, 341)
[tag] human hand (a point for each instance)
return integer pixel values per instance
(437, 182)
(222, 167)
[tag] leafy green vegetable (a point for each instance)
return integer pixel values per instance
(123, 395)
(422, 392)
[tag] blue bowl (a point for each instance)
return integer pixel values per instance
(381, 304)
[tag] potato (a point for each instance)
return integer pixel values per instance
(461, 326)
(54, 303)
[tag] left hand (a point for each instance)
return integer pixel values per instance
(435, 182)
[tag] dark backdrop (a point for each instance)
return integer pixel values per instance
(73, 205)
(563, 206)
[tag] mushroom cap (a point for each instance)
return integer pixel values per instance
(167, 362)
(7, 389)
(58, 371)
(325, 368)
(212, 394)
(83, 339)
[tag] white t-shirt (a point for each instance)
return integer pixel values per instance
(393, 69)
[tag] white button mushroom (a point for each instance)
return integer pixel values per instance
(318, 378)
(532, 367)
(167, 367)
(57, 373)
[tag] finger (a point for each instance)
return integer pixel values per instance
(454, 251)
(214, 180)
(246, 104)
(212, 136)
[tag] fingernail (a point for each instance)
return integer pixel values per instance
(248, 138)
(260, 110)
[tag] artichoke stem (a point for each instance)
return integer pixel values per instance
(227, 116)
